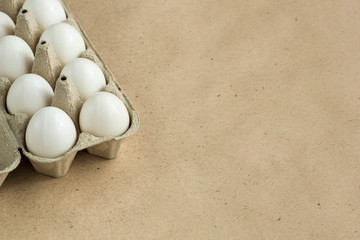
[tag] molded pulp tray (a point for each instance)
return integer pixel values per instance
(66, 97)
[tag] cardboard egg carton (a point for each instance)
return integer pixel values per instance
(66, 97)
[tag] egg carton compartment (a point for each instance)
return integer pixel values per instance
(66, 97)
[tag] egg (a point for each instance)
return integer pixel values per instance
(104, 115)
(50, 133)
(46, 12)
(7, 25)
(16, 57)
(28, 94)
(86, 75)
(66, 41)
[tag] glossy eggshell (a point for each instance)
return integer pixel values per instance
(104, 115)
(16, 57)
(7, 25)
(46, 12)
(28, 94)
(86, 75)
(66, 41)
(50, 133)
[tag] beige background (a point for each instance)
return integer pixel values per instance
(250, 127)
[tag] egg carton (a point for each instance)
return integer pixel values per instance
(66, 97)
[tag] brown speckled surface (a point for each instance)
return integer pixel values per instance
(249, 127)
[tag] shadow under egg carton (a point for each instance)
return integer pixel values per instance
(66, 97)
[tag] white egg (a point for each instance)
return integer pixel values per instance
(28, 94)
(50, 133)
(7, 25)
(16, 57)
(66, 41)
(46, 12)
(104, 115)
(86, 75)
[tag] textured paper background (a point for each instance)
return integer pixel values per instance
(250, 127)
